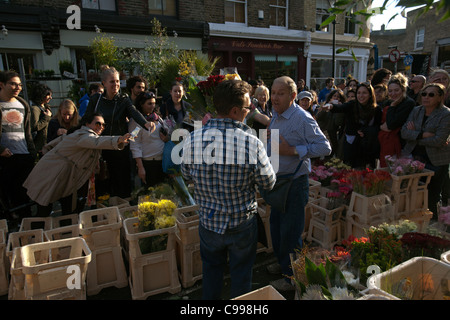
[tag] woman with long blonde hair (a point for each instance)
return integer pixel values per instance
(66, 118)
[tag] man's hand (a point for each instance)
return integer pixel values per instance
(285, 148)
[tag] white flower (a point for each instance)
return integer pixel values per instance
(313, 292)
(350, 278)
(341, 294)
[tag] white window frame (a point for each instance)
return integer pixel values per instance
(322, 10)
(419, 38)
(156, 5)
(286, 20)
(106, 5)
(347, 21)
(244, 2)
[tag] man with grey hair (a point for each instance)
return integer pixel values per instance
(415, 85)
(300, 139)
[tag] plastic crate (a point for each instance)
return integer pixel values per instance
(189, 263)
(70, 231)
(420, 278)
(358, 229)
(398, 184)
(154, 274)
(106, 269)
(115, 202)
(325, 235)
(135, 238)
(421, 180)
(48, 276)
(65, 220)
(365, 209)
(3, 264)
(446, 257)
(321, 213)
(101, 227)
(23, 238)
(419, 200)
(264, 293)
(45, 223)
(187, 220)
(401, 203)
(17, 278)
(314, 189)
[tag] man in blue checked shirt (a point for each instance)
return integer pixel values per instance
(226, 162)
(300, 139)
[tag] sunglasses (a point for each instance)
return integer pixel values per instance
(100, 124)
(430, 94)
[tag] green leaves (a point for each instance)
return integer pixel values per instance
(326, 277)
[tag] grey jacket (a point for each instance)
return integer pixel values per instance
(438, 122)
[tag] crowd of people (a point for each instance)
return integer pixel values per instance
(46, 158)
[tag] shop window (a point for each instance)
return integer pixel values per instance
(10, 61)
(278, 10)
(268, 67)
(321, 69)
(322, 13)
(420, 37)
(107, 5)
(235, 11)
(162, 7)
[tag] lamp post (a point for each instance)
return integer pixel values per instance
(334, 49)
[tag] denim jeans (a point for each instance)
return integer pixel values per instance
(286, 228)
(239, 244)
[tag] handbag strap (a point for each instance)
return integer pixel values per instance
(292, 174)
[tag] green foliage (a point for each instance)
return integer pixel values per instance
(104, 50)
(65, 65)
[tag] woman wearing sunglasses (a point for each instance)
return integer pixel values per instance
(67, 164)
(427, 133)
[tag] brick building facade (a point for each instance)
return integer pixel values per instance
(425, 38)
(258, 38)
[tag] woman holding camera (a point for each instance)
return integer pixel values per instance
(147, 148)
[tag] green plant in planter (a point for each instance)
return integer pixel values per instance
(49, 73)
(65, 65)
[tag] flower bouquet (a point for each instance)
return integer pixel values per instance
(200, 93)
(368, 182)
(154, 215)
(321, 280)
(404, 166)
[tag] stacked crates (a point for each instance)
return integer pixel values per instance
(100, 228)
(151, 272)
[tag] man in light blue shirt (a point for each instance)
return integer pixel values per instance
(300, 140)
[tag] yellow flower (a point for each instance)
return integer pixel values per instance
(233, 76)
(163, 221)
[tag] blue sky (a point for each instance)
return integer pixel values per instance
(398, 23)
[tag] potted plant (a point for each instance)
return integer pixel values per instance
(65, 65)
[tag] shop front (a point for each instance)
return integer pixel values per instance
(259, 59)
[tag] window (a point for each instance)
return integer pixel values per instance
(420, 36)
(235, 11)
(269, 67)
(162, 7)
(321, 69)
(10, 61)
(350, 24)
(109, 5)
(278, 9)
(322, 13)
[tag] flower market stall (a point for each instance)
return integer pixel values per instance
(387, 248)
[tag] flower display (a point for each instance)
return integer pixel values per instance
(368, 182)
(423, 244)
(104, 199)
(404, 166)
(331, 171)
(444, 216)
(200, 92)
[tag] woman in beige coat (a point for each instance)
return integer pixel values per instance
(68, 163)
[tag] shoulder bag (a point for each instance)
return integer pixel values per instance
(277, 197)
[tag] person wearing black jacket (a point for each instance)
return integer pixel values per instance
(116, 108)
(175, 106)
(362, 123)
